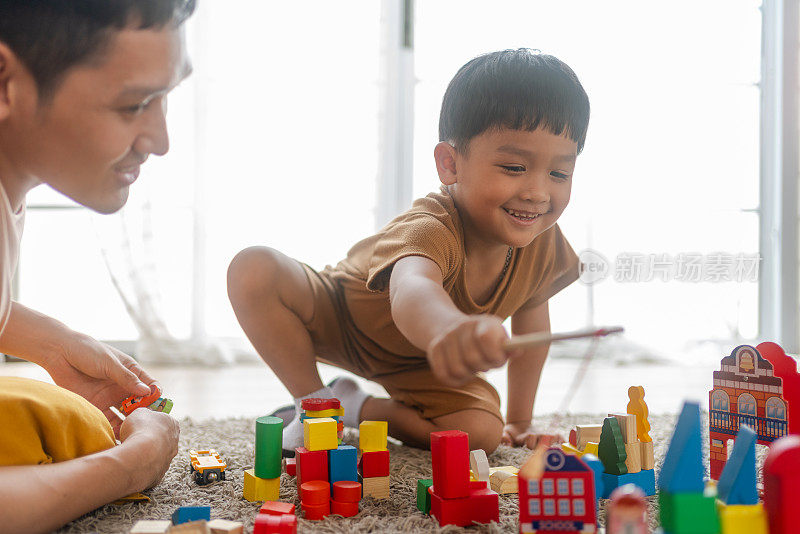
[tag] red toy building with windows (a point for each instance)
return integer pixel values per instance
(561, 500)
(746, 391)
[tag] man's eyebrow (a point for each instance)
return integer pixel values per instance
(512, 149)
(144, 91)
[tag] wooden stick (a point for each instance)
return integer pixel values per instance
(539, 338)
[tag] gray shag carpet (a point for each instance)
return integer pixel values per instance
(234, 439)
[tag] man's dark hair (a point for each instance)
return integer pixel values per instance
(517, 89)
(52, 36)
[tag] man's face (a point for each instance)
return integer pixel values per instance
(104, 120)
(512, 185)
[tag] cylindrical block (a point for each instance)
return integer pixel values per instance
(346, 509)
(315, 492)
(346, 491)
(317, 511)
(269, 444)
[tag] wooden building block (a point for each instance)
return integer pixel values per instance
(742, 518)
(223, 526)
(377, 487)
(480, 506)
(423, 496)
(612, 447)
(151, 526)
(269, 446)
(320, 434)
(646, 454)
(343, 464)
(634, 460)
(592, 447)
(627, 423)
(260, 489)
(570, 449)
(638, 407)
(192, 527)
(344, 509)
(331, 412)
(316, 404)
(450, 459)
(276, 508)
(374, 464)
(311, 465)
(315, 512)
(479, 464)
(291, 466)
(503, 480)
(372, 435)
(346, 491)
(185, 514)
(586, 433)
(315, 492)
(275, 524)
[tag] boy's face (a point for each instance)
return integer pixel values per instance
(106, 117)
(511, 185)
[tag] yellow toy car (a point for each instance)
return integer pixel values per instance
(206, 466)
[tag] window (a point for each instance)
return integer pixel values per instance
(747, 404)
(776, 409)
(547, 486)
(549, 507)
(563, 486)
(533, 487)
(534, 507)
(719, 400)
(577, 486)
(578, 507)
(563, 507)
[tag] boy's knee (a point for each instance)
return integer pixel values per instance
(253, 272)
(484, 429)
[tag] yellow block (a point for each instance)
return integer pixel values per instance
(591, 448)
(742, 518)
(372, 435)
(320, 434)
(332, 412)
(569, 449)
(260, 489)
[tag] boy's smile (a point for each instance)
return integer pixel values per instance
(510, 185)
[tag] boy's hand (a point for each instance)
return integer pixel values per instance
(154, 438)
(523, 434)
(99, 373)
(472, 345)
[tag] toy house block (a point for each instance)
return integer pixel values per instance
(260, 489)
(315, 492)
(742, 518)
(316, 512)
(311, 465)
(633, 460)
(223, 526)
(151, 526)
(275, 524)
(782, 485)
(481, 506)
(346, 491)
(374, 464)
(269, 445)
(316, 404)
(423, 497)
(291, 466)
(450, 459)
(612, 447)
(479, 464)
(344, 509)
(192, 527)
(320, 434)
(332, 412)
(184, 514)
(372, 435)
(276, 508)
(688, 513)
(627, 424)
(343, 464)
(503, 480)
(586, 433)
(682, 470)
(638, 407)
(645, 480)
(375, 487)
(737, 483)
(647, 455)
(594, 463)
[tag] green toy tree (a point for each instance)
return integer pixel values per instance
(612, 447)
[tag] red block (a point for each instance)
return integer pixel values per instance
(573, 438)
(317, 405)
(450, 458)
(291, 466)
(315, 492)
(345, 509)
(275, 524)
(311, 465)
(781, 485)
(346, 491)
(316, 512)
(482, 506)
(276, 508)
(478, 485)
(374, 464)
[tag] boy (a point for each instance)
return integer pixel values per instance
(418, 307)
(83, 88)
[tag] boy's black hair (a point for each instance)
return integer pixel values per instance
(52, 36)
(517, 89)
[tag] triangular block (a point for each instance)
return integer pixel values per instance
(682, 471)
(737, 484)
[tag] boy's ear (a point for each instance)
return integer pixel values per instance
(445, 156)
(10, 68)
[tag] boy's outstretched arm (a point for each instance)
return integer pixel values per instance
(524, 371)
(41, 498)
(457, 344)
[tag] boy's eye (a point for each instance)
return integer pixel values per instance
(513, 168)
(560, 175)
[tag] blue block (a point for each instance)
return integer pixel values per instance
(644, 479)
(596, 466)
(682, 471)
(184, 514)
(343, 464)
(737, 483)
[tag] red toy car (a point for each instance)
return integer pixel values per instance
(133, 402)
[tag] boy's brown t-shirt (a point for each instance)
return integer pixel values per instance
(432, 228)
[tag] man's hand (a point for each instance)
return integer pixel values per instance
(99, 373)
(523, 434)
(469, 346)
(154, 436)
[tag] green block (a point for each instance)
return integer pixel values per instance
(611, 448)
(269, 444)
(423, 497)
(688, 513)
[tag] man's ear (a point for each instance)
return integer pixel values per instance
(445, 156)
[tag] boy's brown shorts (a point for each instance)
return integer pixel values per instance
(338, 342)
